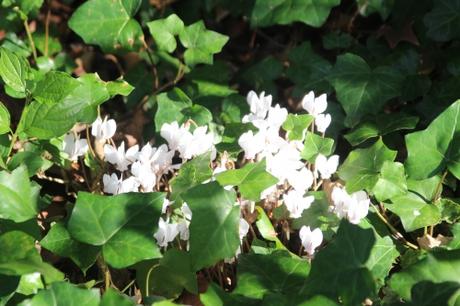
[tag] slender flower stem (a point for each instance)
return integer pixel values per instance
(31, 41)
(395, 232)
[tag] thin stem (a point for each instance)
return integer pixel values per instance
(438, 191)
(31, 41)
(394, 230)
(47, 32)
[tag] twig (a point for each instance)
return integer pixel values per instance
(395, 232)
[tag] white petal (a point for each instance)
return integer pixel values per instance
(308, 102)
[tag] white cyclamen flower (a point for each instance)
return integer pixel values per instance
(251, 144)
(259, 105)
(243, 228)
(131, 184)
(284, 162)
(296, 203)
(326, 166)
(118, 156)
(354, 207)
(111, 183)
(166, 233)
(322, 122)
(301, 179)
(276, 116)
(314, 106)
(74, 146)
(174, 134)
(144, 175)
(186, 211)
(103, 129)
(165, 205)
(310, 239)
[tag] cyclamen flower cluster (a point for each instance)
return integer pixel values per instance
(142, 169)
(283, 160)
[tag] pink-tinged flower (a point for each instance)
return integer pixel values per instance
(310, 239)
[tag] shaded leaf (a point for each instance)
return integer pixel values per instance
(123, 222)
(214, 227)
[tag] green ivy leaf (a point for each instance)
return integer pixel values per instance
(381, 125)
(311, 12)
(437, 267)
(339, 270)
(18, 196)
(259, 275)
(450, 210)
(391, 182)
(14, 70)
(123, 222)
(164, 30)
(171, 275)
(113, 297)
(414, 212)
(214, 227)
(362, 90)
(437, 147)
(308, 70)
(59, 241)
(108, 23)
(265, 227)
(337, 40)
(19, 257)
(5, 119)
(296, 125)
(201, 44)
(64, 293)
(443, 22)
(61, 101)
(251, 180)
(192, 173)
(315, 145)
(362, 167)
(429, 293)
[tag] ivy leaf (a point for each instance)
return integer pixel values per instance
(61, 101)
(437, 147)
(308, 70)
(251, 180)
(19, 257)
(171, 275)
(311, 12)
(59, 241)
(265, 227)
(164, 30)
(175, 105)
(260, 76)
(123, 222)
(108, 23)
(439, 266)
(64, 293)
(5, 119)
(201, 44)
(429, 293)
(450, 210)
(362, 167)
(14, 70)
(337, 40)
(113, 297)
(315, 145)
(192, 173)
(391, 182)
(296, 125)
(362, 90)
(443, 22)
(18, 196)
(339, 270)
(381, 125)
(414, 212)
(259, 275)
(214, 227)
